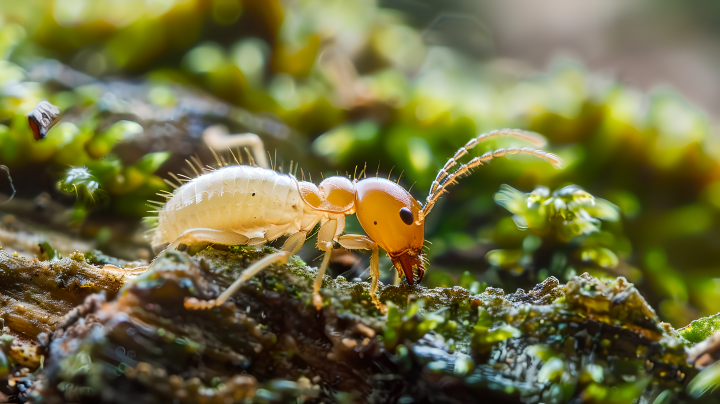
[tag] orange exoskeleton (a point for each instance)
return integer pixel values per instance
(248, 205)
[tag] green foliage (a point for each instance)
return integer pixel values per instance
(485, 335)
(409, 325)
(103, 142)
(701, 329)
(84, 185)
(471, 283)
(50, 254)
(706, 381)
(564, 225)
(412, 324)
(569, 212)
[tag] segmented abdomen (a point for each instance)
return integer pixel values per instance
(253, 201)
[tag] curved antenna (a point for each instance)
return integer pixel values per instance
(446, 179)
(532, 137)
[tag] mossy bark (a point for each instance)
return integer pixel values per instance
(585, 341)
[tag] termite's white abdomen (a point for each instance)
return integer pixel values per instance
(253, 201)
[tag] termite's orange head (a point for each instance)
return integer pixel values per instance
(390, 217)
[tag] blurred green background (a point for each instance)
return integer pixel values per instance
(335, 85)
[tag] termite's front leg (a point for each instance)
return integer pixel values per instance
(324, 243)
(292, 245)
(358, 242)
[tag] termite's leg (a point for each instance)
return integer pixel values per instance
(295, 242)
(211, 236)
(292, 245)
(358, 242)
(196, 304)
(324, 243)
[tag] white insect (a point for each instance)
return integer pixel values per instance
(248, 205)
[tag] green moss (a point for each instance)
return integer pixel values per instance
(700, 329)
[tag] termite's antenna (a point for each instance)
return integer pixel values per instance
(444, 179)
(401, 173)
(390, 173)
(532, 137)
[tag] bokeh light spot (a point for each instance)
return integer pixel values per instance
(204, 58)
(420, 153)
(250, 55)
(68, 13)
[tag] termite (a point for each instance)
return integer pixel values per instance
(250, 205)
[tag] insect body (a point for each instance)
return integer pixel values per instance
(252, 205)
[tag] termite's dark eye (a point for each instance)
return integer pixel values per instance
(406, 216)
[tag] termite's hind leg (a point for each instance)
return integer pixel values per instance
(324, 243)
(292, 245)
(358, 242)
(197, 304)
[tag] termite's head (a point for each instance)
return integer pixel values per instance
(389, 216)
